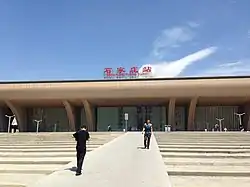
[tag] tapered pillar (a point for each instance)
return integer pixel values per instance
(70, 114)
(19, 113)
(246, 117)
(171, 113)
(191, 114)
(89, 115)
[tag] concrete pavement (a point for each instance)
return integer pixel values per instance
(122, 162)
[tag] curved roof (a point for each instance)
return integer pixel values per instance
(141, 88)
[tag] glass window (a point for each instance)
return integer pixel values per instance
(108, 116)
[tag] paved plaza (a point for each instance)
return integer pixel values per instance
(176, 159)
(121, 162)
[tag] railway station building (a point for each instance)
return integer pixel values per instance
(187, 104)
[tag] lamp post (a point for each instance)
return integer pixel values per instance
(37, 124)
(240, 117)
(220, 120)
(9, 121)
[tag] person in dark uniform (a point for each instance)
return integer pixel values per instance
(147, 130)
(109, 128)
(81, 137)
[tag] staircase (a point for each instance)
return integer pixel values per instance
(211, 159)
(28, 157)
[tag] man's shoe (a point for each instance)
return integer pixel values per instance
(78, 173)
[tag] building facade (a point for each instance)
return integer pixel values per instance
(187, 104)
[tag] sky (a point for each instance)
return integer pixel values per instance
(65, 39)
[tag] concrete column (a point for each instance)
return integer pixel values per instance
(171, 113)
(89, 115)
(70, 114)
(20, 114)
(191, 114)
(246, 117)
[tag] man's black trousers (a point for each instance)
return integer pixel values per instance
(80, 158)
(147, 137)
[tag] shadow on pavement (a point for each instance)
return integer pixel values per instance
(73, 169)
(141, 147)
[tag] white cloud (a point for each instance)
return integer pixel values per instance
(174, 68)
(231, 64)
(193, 24)
(171, 38)
(228, 69)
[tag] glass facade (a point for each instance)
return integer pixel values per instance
(180, 118)
(53, 119)
(205, 117)
(137, 115)
(108, 116)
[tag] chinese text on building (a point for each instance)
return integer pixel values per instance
(123, 73)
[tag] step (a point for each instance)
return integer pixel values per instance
(194, 138)
(204, 144)
(35, 160)
(201, 141)
(205, 155)
(46, 144)
(196, 168)
(202, 147)
(38, 155)
(2, 151)
(21, 167)
(206, 161)
(10, 180)
(226, 151)
(208, 173)
(201, 181)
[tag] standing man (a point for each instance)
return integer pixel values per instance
(81, 137)
(109, 128)
(147, 130)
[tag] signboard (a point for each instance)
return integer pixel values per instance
(123, 73)
(126, 116)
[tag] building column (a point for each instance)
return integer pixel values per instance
(246, 117)
(19, 114)
(191, 114)
(171, 113)
(70, 113)
(89, 115)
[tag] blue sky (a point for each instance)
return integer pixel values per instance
(64, 39)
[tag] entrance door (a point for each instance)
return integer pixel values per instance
(144, 113)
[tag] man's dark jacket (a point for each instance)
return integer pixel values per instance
(81, 137)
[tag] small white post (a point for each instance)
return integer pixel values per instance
(9, 121)
(37, 124)
(240, 117)
(220, 120)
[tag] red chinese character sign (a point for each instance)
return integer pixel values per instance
(146, 71)
(131, 73)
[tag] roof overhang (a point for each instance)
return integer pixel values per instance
(179, 88)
